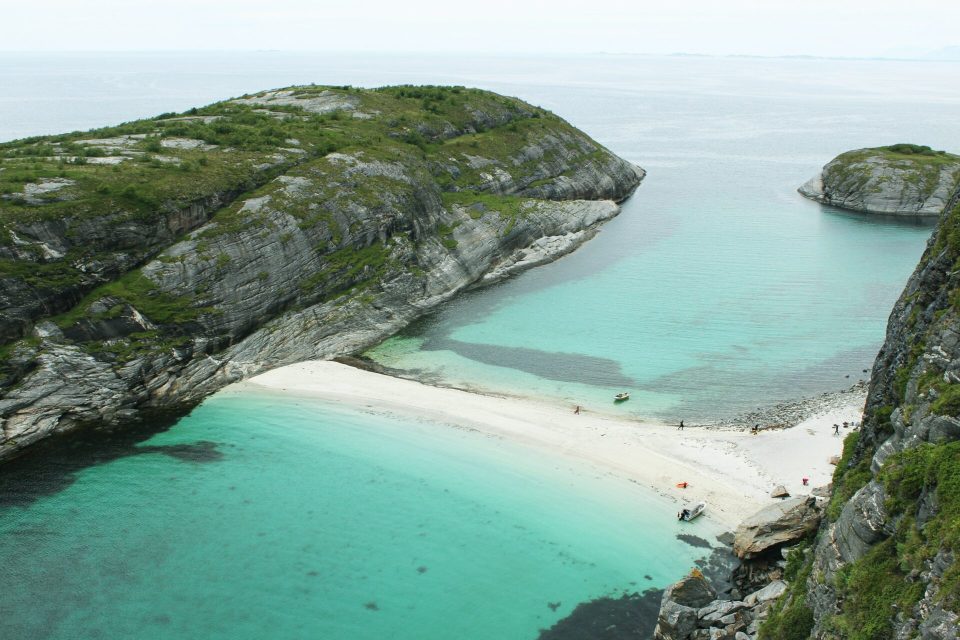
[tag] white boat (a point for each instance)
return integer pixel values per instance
(689, 513)
(620, 397)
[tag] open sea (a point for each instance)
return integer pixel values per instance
(718, 289)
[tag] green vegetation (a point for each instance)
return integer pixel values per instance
(791, 618)
(348, 270)
(907, 154)
(886, 579)
(140, 292)
(913, 149)
(508, 208)
(847, 480)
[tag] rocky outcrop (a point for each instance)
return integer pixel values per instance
(778, 524)
(680, 606)
(691, 610)
(896, 180)
(334, 252)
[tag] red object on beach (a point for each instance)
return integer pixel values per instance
(682, 485)
(806, 481)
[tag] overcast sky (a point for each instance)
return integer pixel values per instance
(757, 27)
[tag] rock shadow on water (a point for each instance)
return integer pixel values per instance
(562, 367)
(631, 616)
(202, 451)
(634, 615)
(694, 541)
(52, 465)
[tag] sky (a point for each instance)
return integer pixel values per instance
(849, 28)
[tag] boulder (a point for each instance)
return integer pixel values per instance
(781, 523)
(717, 610)
(693, 591)
(679, 607)
(770, 592)
(779, 491)
(675, 621)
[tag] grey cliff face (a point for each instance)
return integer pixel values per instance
(325, 259)
(918, 363)
(875, 181)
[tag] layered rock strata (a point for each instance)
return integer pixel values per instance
(295, 224)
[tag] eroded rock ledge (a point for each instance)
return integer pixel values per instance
(302, 223)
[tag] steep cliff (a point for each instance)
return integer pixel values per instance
(901, 179)
(146, 265)
(884, 561)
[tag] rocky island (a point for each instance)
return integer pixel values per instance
(902, 179)
(146, 265)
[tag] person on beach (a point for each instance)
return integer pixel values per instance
(755, 429)
(836, 429)
(680, 428)
(576, 411)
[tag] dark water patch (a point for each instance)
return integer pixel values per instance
(562, 367)
(202, 451)
(421, 569)
(371, 606)
(631, 616)
(52, 465)
(693, 541)
(634, 615)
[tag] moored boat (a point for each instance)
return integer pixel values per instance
(620, 397)
(689, 513)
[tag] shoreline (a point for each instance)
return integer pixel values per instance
(732, 470)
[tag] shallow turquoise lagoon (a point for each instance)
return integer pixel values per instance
(294, 520)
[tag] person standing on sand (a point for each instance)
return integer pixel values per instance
(680, 428)
(836, 429)
(576, 411)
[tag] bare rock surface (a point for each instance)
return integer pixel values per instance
(887, 182)
(776, 525)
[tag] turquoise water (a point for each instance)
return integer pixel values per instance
(320, 523)
(717, 289)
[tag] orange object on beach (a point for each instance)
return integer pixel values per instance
(683, 485)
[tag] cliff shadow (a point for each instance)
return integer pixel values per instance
(51, 465)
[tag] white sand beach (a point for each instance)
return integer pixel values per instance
(732, 470)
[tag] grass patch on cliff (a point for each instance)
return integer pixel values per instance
(478, 204)
(529, 151)
(908, 154)
(871, 591)
(791, 618)
(921, 483)
(347, 270)
(141, 293)
(922, 472)
(848, 477)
